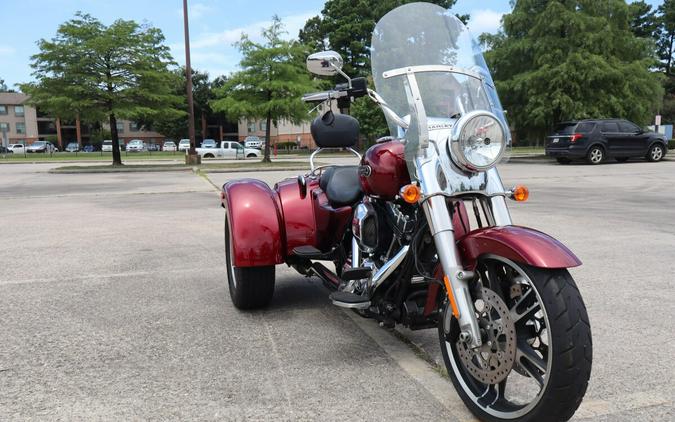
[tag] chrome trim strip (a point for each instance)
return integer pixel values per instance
(431, 68)
(389, 267)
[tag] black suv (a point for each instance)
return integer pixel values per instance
(598, 139)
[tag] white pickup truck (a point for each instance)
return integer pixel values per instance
(229, 149)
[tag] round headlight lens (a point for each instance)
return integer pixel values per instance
(478, 141)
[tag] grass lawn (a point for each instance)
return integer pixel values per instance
(91, 156)
(527, 150)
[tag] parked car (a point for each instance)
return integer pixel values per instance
(229, 149)
(88, 148)
(136, 145)
(153, 147)
(41, 147)
(253, 142)
(598, 139)
(107, 145)
(184, 145)
(17, 148)
(169, 146)
(209, 143)
(72, 147)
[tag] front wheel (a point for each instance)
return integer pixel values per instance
(251, 156)
(250, 287)
(656, 153)
(535, 361)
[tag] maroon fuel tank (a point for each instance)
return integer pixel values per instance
(383, 170)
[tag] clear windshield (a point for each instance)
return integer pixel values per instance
(424, 34)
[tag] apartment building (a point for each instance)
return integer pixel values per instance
(17, 119)
(283, 132)
(24, 124)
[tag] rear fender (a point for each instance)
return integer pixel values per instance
(255, 223)
(519, 244)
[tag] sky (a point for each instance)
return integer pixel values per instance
(214, 25)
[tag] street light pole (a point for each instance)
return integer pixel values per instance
(192, 157)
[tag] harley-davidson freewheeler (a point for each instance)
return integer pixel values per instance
(419, 232)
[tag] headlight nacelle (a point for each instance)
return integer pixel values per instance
(478, 141)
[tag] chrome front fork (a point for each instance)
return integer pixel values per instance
(442, 231)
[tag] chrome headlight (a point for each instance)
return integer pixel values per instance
(478, 141)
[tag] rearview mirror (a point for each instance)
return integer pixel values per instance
(324, 63)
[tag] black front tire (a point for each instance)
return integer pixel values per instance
(251, 156)
(656, 153)
(250, 287)
(571, 347)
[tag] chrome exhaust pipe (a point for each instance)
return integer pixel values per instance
(389, 267)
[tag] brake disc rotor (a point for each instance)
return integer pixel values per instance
(492, 361)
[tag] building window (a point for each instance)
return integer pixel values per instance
(20, 128)
(134, 127)
(263, 125)
(3, 109)
(251, 126)
(4, 127)
(18, 111)
(120, 127)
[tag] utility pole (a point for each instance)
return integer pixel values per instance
(192, 157)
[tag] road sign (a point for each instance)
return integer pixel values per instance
(657, 120)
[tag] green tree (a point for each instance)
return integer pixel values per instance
(643, 20)
(103, 72)
(175, 125)
(270, 84)
(560, 60)
(666, 36)
(3, 86)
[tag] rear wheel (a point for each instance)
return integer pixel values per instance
(208, 156)
(251, 156)
(535, 361)
(656, 153)
(250, 287)
(563, 160)
(595, 155)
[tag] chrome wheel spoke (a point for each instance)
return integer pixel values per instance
(532, 363)
(527, 313)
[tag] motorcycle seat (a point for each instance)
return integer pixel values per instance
(341, 185)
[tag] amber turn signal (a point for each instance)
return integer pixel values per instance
(520, 193)
(411, 193)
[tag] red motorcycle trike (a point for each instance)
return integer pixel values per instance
(419, 232)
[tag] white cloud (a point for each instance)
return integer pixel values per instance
(484, 20)
(6, 50)
(292, 24)
(195, 10)
(214, 51)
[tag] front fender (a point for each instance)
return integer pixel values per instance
(519, 244)
(255, 223)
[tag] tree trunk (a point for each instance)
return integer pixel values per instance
(670, 53)
(117, 157)
(268, 130)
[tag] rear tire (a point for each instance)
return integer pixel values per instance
(656, 153)
(596, 155)
(251, 156)
(250, 287)
(566, 355)
(208, 156)
(563, 160)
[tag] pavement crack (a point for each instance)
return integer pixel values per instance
(277, 358)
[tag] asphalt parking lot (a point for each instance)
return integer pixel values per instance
(114, 305)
